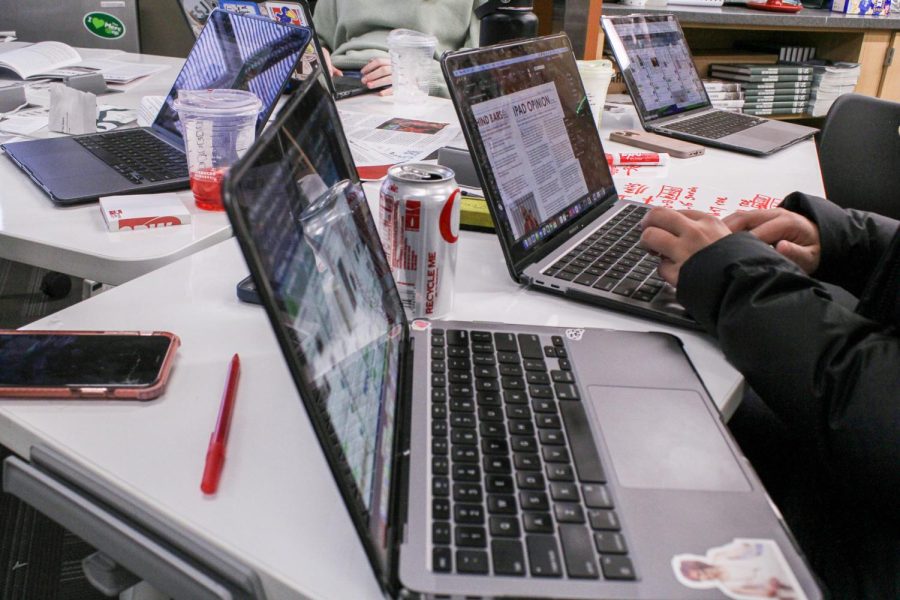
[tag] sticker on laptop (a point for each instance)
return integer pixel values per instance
(743, 569)
(575, 334)
(420, 325)
(103, 25)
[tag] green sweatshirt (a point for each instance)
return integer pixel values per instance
(355, 31)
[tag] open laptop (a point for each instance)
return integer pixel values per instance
(233, 51)
(669, 96)
(479, 459)
(525, 116)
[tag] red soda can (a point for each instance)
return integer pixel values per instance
(419, 218)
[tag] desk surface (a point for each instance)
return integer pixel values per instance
(75, 240)
(276, 506)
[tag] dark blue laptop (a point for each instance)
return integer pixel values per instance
(233, 51)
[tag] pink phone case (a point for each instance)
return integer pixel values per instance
(658, 143)
(100, 392)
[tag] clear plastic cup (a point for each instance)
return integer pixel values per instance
(218, 126)
(412, 53)
(596, 75)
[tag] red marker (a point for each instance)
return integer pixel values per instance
(215, 454)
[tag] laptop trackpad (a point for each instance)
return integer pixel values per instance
(665, 439)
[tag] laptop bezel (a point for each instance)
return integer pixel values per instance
(385, 559)
(517, 262)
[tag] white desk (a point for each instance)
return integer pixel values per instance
(75, 240)
(278, 508)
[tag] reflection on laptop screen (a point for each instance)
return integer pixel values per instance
(659, 65)
(335, 298)
(534, 124)
(237, 52)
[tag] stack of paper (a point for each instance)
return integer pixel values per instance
(831, 79)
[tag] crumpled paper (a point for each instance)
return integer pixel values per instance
(72, 111)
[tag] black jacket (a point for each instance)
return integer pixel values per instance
(829, 373)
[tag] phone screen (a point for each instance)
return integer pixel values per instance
(59, 360)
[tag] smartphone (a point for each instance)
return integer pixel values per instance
(131, 365)
(658, 143)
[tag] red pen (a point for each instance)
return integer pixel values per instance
(215, 453)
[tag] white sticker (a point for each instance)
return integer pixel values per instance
(744, 569)
(112, 4)
(420, 325)
(574, 334)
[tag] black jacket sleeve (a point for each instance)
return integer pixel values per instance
(832, 375)
(852, 241)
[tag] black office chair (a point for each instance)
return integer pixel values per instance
(859, 154)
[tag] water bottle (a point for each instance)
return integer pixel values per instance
(503, 20)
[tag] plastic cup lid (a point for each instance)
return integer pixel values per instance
(409, 37)
(594, 65)
(217, 102)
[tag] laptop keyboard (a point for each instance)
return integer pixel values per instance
(137, 155)
(715, 125)
(517, 485)
(611, 260)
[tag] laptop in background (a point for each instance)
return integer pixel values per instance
(669, 96)
(561, 225)
(42, 20)
(482, 459)
(233, 51)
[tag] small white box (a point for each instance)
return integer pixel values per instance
(143, 211)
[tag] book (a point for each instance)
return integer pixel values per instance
(796, 86)
(773, 111)
(760, 78)
(776, 104)
(728, 103)
(761, 69)
(39, 60)
(724, 95)
(783, 52)
(703, 58)
(751, 95)
(719, 85)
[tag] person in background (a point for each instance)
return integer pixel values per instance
(823, 426)
(354, 33)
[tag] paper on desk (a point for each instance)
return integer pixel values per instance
(379, 141)
(632, 184)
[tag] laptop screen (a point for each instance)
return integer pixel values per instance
(311, 244)
(526, 115)
(237, 52)
(656, 63)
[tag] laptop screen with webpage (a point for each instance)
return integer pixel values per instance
(311, 244)
(526, 112)
(238, 52)
(654, 57)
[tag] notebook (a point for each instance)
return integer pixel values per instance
(669, 97)
(232, 51)
(480, 459)
(539, 158)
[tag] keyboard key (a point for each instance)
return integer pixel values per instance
(551, 437)
(564, 391)
(520, 427)
(474, 562)
(465, 454)
(480, 336)
(587, 279)
(527, 461)
(627, 287)
(562, 376)
(439, 446)
(440, 532)
(509, 370)
(512, 383)
(440, 509)
(498, 465)
(440, 465)
(533, 500)
(544, 421)
(466, 472)
(441, 559)
(490, 413)
(515, 397)
(508, 557)
(464, 437)
(523, 444)
(534, 365)
(543, 405)
(537, 378)
(530, 480)
(558, 472)
(511, 358)
(494, 446)
(555, 454)
(499, 484)
(606, 283)
(581, 443)
(610, 542)
(604, 519)
(518, 411)
(596, 496)
(617, 567)
(470, 536)
(530, 346)
(505, 342)
(543, 556)
(562, 491)
(537, 522)
(501, 526)
(467, 492)
(440, 486)
(501, 504)
(463, 420)
(457, 337)
(579, 556)
(540, 391)
(568, 512)
(492, 429)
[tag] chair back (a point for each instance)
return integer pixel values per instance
(859, 154)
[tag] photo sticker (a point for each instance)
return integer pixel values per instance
(745, 569)
(420, 325)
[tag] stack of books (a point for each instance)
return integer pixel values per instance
(786, 54)
(830, 80)
(726, 95)
(778, 89)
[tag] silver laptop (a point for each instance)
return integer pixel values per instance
(538, 155)
(81, 23)
(233, 51)
(489, 460)
(669, 96)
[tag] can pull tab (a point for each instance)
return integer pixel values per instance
(421, 174)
